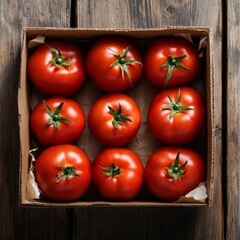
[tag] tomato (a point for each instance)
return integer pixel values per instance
(57, 120)
(57, 68)
(171, 61)
(118, 173)
(63, 173)
(114, 64)
(176, 115)
(114, 119)
(173, 172)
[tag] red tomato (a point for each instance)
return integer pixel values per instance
(176, 115)
(114, 64)
(173, 172)
(63, 173)
(114, 119)
(118, 173)
(171, 61)
(57, 68)
(57, 120)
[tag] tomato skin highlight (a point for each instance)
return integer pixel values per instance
(164, 187)
(110, 78)
(100, 119)
(158, 54)
(67, 132)
(127, 184)
(184, 126)
(48, 168)
(51, 80)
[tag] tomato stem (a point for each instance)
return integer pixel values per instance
(55, 117)
(58, 60)
(112, 171)
(175, 170)
(175, 107)
(67, 172)
(171, 63)
(118, 117)
(122, 62)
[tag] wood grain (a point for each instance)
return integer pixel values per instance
(151, 223)
(233, 120)
(16, 222)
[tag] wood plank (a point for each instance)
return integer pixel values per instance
(233, 120)
(151, 223)
(16, 222)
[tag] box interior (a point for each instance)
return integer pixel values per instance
(144, 143)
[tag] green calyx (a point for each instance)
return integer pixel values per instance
(58, 60)
(175, 170)
(175, 107)
(122, 62)
(55, 117)
(112, 171)
(171, 63)
(67, 172)
(118, 117)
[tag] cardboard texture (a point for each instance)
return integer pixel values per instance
(144, 143)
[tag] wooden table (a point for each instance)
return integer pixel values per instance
(221, 221)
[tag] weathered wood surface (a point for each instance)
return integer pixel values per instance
(122, 223)
(232, 121)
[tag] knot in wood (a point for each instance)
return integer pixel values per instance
(169, 9)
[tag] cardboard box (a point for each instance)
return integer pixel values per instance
(143, 92)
